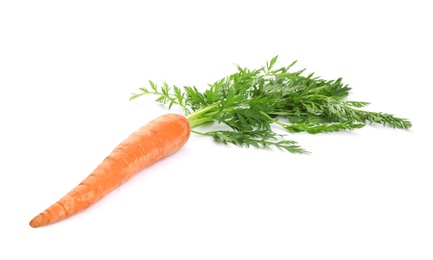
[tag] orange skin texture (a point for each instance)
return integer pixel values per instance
(149, 144)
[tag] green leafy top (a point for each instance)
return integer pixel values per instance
(249, 102)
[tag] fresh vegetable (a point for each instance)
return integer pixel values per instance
(152, 142)
(245, 106)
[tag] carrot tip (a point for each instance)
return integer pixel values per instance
(33, 224)
(37, 221)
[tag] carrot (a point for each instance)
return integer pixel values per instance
(152, 142)
(248, 103)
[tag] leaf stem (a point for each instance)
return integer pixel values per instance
(198, 117)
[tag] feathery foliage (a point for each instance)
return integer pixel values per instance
(248, 102)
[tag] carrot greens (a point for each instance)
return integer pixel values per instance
(250, 102)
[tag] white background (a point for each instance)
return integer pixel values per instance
(67, 69)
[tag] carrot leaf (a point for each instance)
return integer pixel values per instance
(250, 103)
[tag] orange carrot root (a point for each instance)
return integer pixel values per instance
(152, 142)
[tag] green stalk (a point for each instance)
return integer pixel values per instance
(199, 117)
